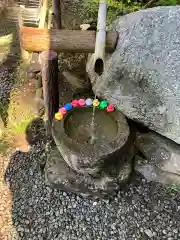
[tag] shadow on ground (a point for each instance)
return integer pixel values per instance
(24, 176)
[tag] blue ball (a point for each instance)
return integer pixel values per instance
(68, 106)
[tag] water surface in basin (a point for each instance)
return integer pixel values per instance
(78, 126)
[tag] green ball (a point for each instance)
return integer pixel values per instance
(103, 104)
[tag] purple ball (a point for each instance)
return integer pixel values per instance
(31, 75)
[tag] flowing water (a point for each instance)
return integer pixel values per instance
(93, 136)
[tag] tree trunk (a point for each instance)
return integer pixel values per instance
(39, 40)
(49, 69)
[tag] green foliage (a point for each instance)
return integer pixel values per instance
(115, 8)
(173, 189)
(121, 7)
(167, 2)
(20, 127)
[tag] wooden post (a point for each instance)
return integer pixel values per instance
(49, 69)
(57, 14)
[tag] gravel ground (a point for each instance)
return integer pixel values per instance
(142, 211)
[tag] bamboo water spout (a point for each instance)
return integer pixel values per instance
(99, 55)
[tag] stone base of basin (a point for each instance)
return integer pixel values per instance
(73, 134)
(60, 176)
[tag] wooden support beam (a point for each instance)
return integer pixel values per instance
(49, 70)
(39, 40)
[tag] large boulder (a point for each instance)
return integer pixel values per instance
(159, 158)
(155, 174)
(160, 152)
(142, 76)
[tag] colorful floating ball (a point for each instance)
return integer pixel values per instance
(58, 116)
(74, 103)
(63, 110)
(110, 108)
(68, 106)
(81, 102)
(103, 104)
(89, 102)
(96, 103)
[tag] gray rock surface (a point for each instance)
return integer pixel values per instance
(153, 173)
(160, 152)
(59, 175)
(161, 159)
(142, 75)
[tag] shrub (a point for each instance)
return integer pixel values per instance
(121, 7)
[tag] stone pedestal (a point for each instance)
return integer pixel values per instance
(106, 183)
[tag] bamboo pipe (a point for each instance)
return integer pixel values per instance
(99, 54)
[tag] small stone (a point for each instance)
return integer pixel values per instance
(135, 214)
(148, 233)
(57, 214)
(113, 226)
(84, 26)
(64, 194)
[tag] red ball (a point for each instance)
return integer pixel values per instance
(75, 103)
(81, 102)
(110, 108)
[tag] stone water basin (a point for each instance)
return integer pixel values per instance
(73, 134)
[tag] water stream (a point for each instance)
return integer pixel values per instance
(99, 68)
(93, 135)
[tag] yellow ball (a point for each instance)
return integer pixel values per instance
(58, 116)
(96, 103)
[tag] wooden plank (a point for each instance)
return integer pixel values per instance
(39, 40)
